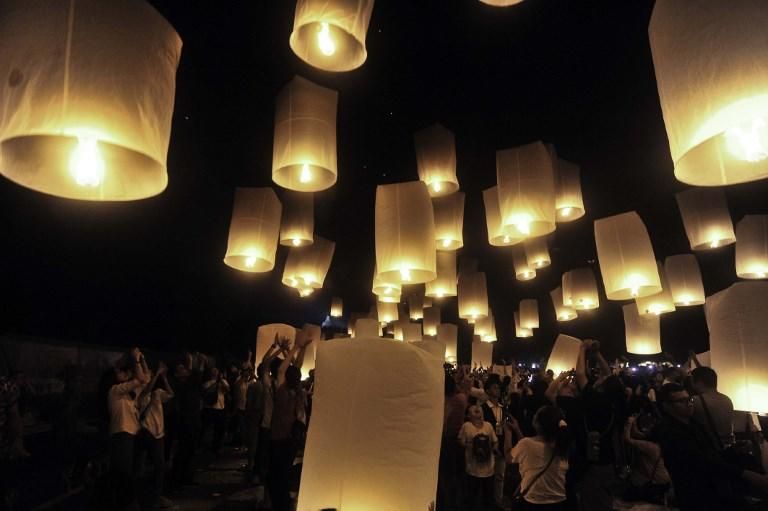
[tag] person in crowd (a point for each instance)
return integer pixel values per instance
(270, 365)
(215, 391)
(711, 409)
(451, 454)
(253, 415)
(649, 479)
(239, 391)
(479, 440)
(187, 403)
(493, 413)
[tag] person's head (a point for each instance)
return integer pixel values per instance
(549, 423)
(123, 373)
(293, 377)
(181, 372)
(475, 413)
(675, 401)
(492, 388)
(704, 379)
(674, 375)
(214, 374)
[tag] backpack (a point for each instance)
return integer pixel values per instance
(481, 448)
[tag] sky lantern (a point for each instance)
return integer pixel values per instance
(449, 221)
(411, 332)
(445, 282)
(473, 296)
(405, 233)
(448, 334)
(537, 253)
(529, 313)
(562, 312)
(431, 320)
(497, 236)
(298, 221)
(580, 289)
(526, 184)
(661, 302)
(568, 200)
(86, 108)
(265, 337)
(436, 159)
(482, 352)
(486, 328)
(713, 86)
(752, 247)
(306, 267)
(626, 257)
(330, 35)
(337, 307)
(385, 291)
(706, 218)
(523, 271)
(387, 312)
(737, 342)
(643, 333)
(304, 149)
(253, 230)
(501, 3)
(416, 305)
(684, 278)
(564, 355)
(520, 331)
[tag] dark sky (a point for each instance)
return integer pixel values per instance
(574, 73)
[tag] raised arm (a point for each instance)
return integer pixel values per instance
(554, 387)
(302, 341)
(581, 365)
(140, 373)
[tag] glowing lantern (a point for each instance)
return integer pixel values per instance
(737, 341)
(713, 87)
(564, 355)
(568, 200)
(449, 221)
(387, 312)
(86, 108)
(519, 330)
(684, 278)
(563, 312)
(473, 296)
(431, 320)
(330, 35)
(448, 334)
(253, 230)
(522, 270)
(752, 247)
(306, 267)
(659, 303)
(482, 352)
(445, 283)
(385, 291)
(405, 233)
(367, 327)
(529, 313)
(580, 289)
(486, 328)
(526, 184)
(411, 332)
(537, 253)
(416, 305)
(643, 333)
(706, 218)
(405, 473)
(304, 150)
(427, 301)
(497, 236)
(501, 3)
(436, 157)
(337, 307)
(296, 229)
(266, 335)
(626, 257)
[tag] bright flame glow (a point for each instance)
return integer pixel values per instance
(714, 243)
(440, 293)
(748, 141)
(324, 40)
(306, 174)
(539, 264)
(305, 292)
(566, 211)
(86, 164)
(634, 282)
(387, 290)
(522, 223)
(506, 239)
(436, 186)
(250, 261)
(446, 243)
(405, 274)
(296, 242)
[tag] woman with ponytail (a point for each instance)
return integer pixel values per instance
(543, 459)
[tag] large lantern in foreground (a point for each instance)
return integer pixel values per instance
(448, 334)
(626, 257)
(519, 330)
(706, 218)
(337, 307)
(497, 236)
(523, 271)
(529, 313)
(562, 311)
(306, 267)
(564, 355)
(659, 303)
(643, 333)
(684, 278)
(298, 222)
(568, 200)
(580, 289)
(537, 253)
(752, 247)
(436, 158)
(738, 342)
(473, 296)
(86, 108)
(253, 230)
(304, 149)
(449, 221)
(330, 35)
(366, 328)
(405, 233)
(482, 352)
(713, 86)
(431, 320)
(445, 282)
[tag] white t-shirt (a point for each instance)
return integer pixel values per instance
(154, 421)
(533, 455)
(467, 433)
(221, 393)
(123, 414)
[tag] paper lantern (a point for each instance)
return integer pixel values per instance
(537, 253)
(304, 150)
(564, 355)
(253, 230)
(448, 334)
(485, 328)
(738, 342)
(568, 201)
(660, 303)
(501, 3)
(752, 247)
(387, 312)
(431, 320)
(404, 476)
(626, 257)
(416, 305)
(315, 333)
(265, 337)
(706, 218)
(385, 291)
(580, 289)
(411, 332)
(713, 86)
(445, 282)
(86, 108)
(562, 312)
(306, 267)
(298, 223)
(366, 328)
(684, 278)
(497, 236)
(330, 35)
(520, 262)
(432, 347)
(473, 296)
(529, 313)
(482, 352)
(337, 307)
(520, 331)
(526, 183)
(449, 221)
(427, 301)
(436, 158)
(405, 233)
(643, 333)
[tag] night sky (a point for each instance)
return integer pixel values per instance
(574, 73)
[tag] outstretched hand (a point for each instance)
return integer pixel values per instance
(303, 339)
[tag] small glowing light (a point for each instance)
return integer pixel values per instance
(305, 292)
(306, 174)
(526, 274)
(566, 211)
(749, 141)
(387, 290)
(250, 261)
(506, 239)
(714, 243)
(686, 302)
(86, 164)
(324, 40)
(761, 275)
(634, 282)
(539, 264)
(436, 186)
(405, 274)
(446, 243)
(296, 242)
(440, 293)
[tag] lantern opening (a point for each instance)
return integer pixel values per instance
(86, 163)
(446, 242)
(748, 141)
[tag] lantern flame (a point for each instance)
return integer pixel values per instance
(86, 164)
(714, 244)
(634, 282)
(436, 186)
(296, 242)
(748, 141)
(566, 211)
(250, 261)
(306, 174)
(405, 274)
(324, 40)
(506, 239)
(446, 243)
